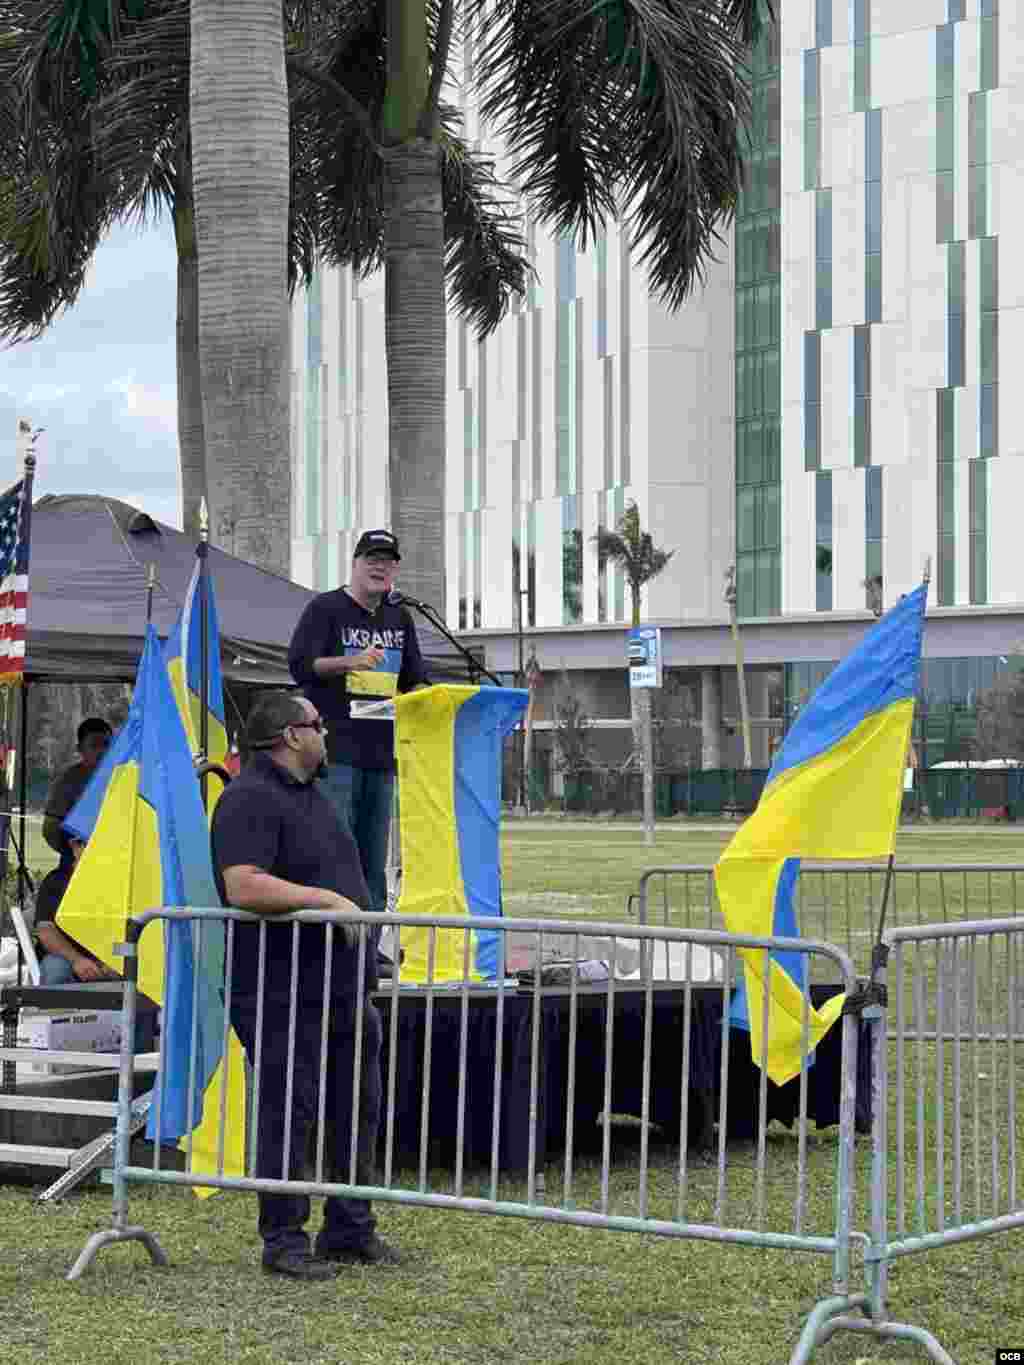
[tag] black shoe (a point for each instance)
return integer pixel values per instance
(301, 1265)
(374, 1251)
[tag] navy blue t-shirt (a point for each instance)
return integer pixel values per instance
(335, 624)
(268, 819)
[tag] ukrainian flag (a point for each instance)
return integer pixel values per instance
(449, 743)
(183, 654)
(834, 792)
(148, 846)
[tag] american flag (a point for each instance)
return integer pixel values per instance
(13, 584)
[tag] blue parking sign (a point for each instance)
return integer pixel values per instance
(643, 650)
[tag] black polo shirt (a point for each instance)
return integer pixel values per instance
(268, 819)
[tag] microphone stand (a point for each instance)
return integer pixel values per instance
(429, 614)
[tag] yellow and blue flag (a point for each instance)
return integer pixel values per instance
(449, 742)
(147, 846)
(183, 654)
(834, 792)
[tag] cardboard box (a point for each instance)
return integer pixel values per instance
(71, 1031)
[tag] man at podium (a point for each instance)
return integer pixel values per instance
(355, 644)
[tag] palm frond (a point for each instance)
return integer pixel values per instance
(639, 103)
(485, 250)
(81, 32)
(53, 213)
(337, 189)
(631, 548)
(141, 130)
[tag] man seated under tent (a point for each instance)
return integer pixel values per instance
(63, 960)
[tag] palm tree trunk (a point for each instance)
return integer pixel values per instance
(191, 451)
(239, 127)
(643, 705)
(415, 339)
(643, 740)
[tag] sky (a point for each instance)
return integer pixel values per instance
(102, 382)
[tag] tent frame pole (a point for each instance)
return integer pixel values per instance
(202, 550)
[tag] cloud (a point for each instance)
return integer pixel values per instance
(102, 382)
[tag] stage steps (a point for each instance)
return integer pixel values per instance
(63, 1123)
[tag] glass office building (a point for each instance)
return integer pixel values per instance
(825, 415)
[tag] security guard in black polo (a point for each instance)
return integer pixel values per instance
(278, 846)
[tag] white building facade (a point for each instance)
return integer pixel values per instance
(826, 413)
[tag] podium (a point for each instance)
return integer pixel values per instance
(448, 741)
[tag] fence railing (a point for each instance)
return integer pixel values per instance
(839, 902)
(515, 1100)
(938, 794)
(944, 1165)
(553, 1096)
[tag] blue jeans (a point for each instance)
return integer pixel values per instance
(55, 970)
(363, 798)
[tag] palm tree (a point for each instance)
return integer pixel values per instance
(70, 167)
(630, 102)
(634, 551)
(123, 150)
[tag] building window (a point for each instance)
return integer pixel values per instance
(955, 328)
(946, 528)
(758, 333)
(945, 132)
(989, 44)
(873, 216)
(812, 400)
(977, 164)
(823, 259)
(566, 378)
(812, 119)
(979, 530)
(823, 23)
(862, 395)
(572, 562)
(313, 433)
(823, 539)
(861, 55)
(988, 348)
(873, 540)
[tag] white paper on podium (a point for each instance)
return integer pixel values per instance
(380, 708)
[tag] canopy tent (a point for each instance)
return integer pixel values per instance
(88, 576)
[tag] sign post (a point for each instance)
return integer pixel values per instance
(645, 671)
(645, 665)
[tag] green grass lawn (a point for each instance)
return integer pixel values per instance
(481, 1289)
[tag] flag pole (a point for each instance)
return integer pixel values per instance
(26, 434)
(202, 550)
(150, 587)
(880, 953)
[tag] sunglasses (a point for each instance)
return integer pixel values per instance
(317, 725)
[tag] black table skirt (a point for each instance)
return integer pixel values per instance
(549, 1130)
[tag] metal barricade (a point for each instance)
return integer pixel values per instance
(839, 902)
(607, 1103)
(944, 1134)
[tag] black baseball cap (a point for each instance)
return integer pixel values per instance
(377, 542)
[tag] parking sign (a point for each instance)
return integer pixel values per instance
(643, 645)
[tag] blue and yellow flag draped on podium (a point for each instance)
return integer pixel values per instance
(449, 745)
(833, 792)
(148, 846)
(183, 654)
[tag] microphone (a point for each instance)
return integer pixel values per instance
(399, 599)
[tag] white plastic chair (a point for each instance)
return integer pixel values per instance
(9, 959)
